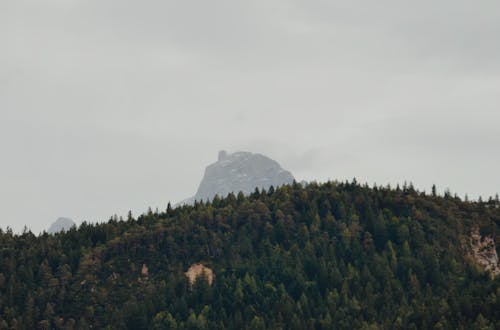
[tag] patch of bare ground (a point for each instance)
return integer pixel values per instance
(199, 270)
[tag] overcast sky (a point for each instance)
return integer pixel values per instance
(111, 105)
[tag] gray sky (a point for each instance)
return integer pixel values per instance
(111, 105)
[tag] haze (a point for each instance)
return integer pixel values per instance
(110, 105)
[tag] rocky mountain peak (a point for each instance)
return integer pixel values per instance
(240, 171)
(61, 224)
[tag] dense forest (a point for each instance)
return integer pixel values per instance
(320, 256)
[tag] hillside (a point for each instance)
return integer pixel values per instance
(334, 255)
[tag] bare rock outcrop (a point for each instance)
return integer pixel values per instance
(484, 252)
(199, 270)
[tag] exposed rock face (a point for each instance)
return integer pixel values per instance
(197, 270)
(484, 252)
(240, 171)
(61, 224)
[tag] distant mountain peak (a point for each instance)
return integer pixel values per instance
(240, 171)
(61, 224)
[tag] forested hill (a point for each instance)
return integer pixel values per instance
(329, 256)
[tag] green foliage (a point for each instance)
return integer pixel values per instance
(324, 256)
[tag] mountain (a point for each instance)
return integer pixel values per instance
(323, 256)
(240, 171)
(61, 224)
